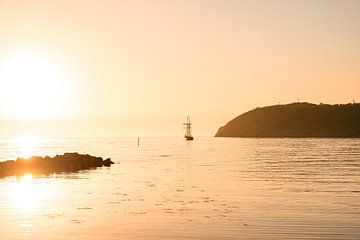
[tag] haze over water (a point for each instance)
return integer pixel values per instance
(139, 67)
(211, 188)
(94, 69)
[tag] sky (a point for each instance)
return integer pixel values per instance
(128, 68)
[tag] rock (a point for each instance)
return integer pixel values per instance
(68, 162)
(107, 162)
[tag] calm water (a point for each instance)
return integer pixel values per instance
(211, 188)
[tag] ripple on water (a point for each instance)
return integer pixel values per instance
(212, 188)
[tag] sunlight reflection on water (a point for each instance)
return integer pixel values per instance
(210, 188)
(25, 194)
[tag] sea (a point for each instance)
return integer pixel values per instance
(169, 188)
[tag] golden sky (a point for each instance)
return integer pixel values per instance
(139, 61)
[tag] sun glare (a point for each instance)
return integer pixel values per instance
(32, 86)
(26, 146)
(26, 194)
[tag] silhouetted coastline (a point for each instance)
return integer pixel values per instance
(68, 162)
(296, 120)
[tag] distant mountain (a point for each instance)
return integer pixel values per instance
(296, 120)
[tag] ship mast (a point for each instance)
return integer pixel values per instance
(187, 125)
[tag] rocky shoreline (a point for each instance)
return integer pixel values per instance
(68, 162)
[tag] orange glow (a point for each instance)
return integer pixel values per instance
(32, 86)
(26, 146)
(148, 64)
(25, 194)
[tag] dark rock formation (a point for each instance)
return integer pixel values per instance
(69, 162)
(107, 162)
(296, 120)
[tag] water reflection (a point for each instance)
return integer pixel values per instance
(26, 195)
(214, 188)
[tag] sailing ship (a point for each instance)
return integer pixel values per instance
(187, 125)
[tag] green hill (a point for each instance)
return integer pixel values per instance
(296, 120)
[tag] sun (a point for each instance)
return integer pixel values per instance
(32, 86)
(26, 146)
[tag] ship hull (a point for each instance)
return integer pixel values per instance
(189, 138)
